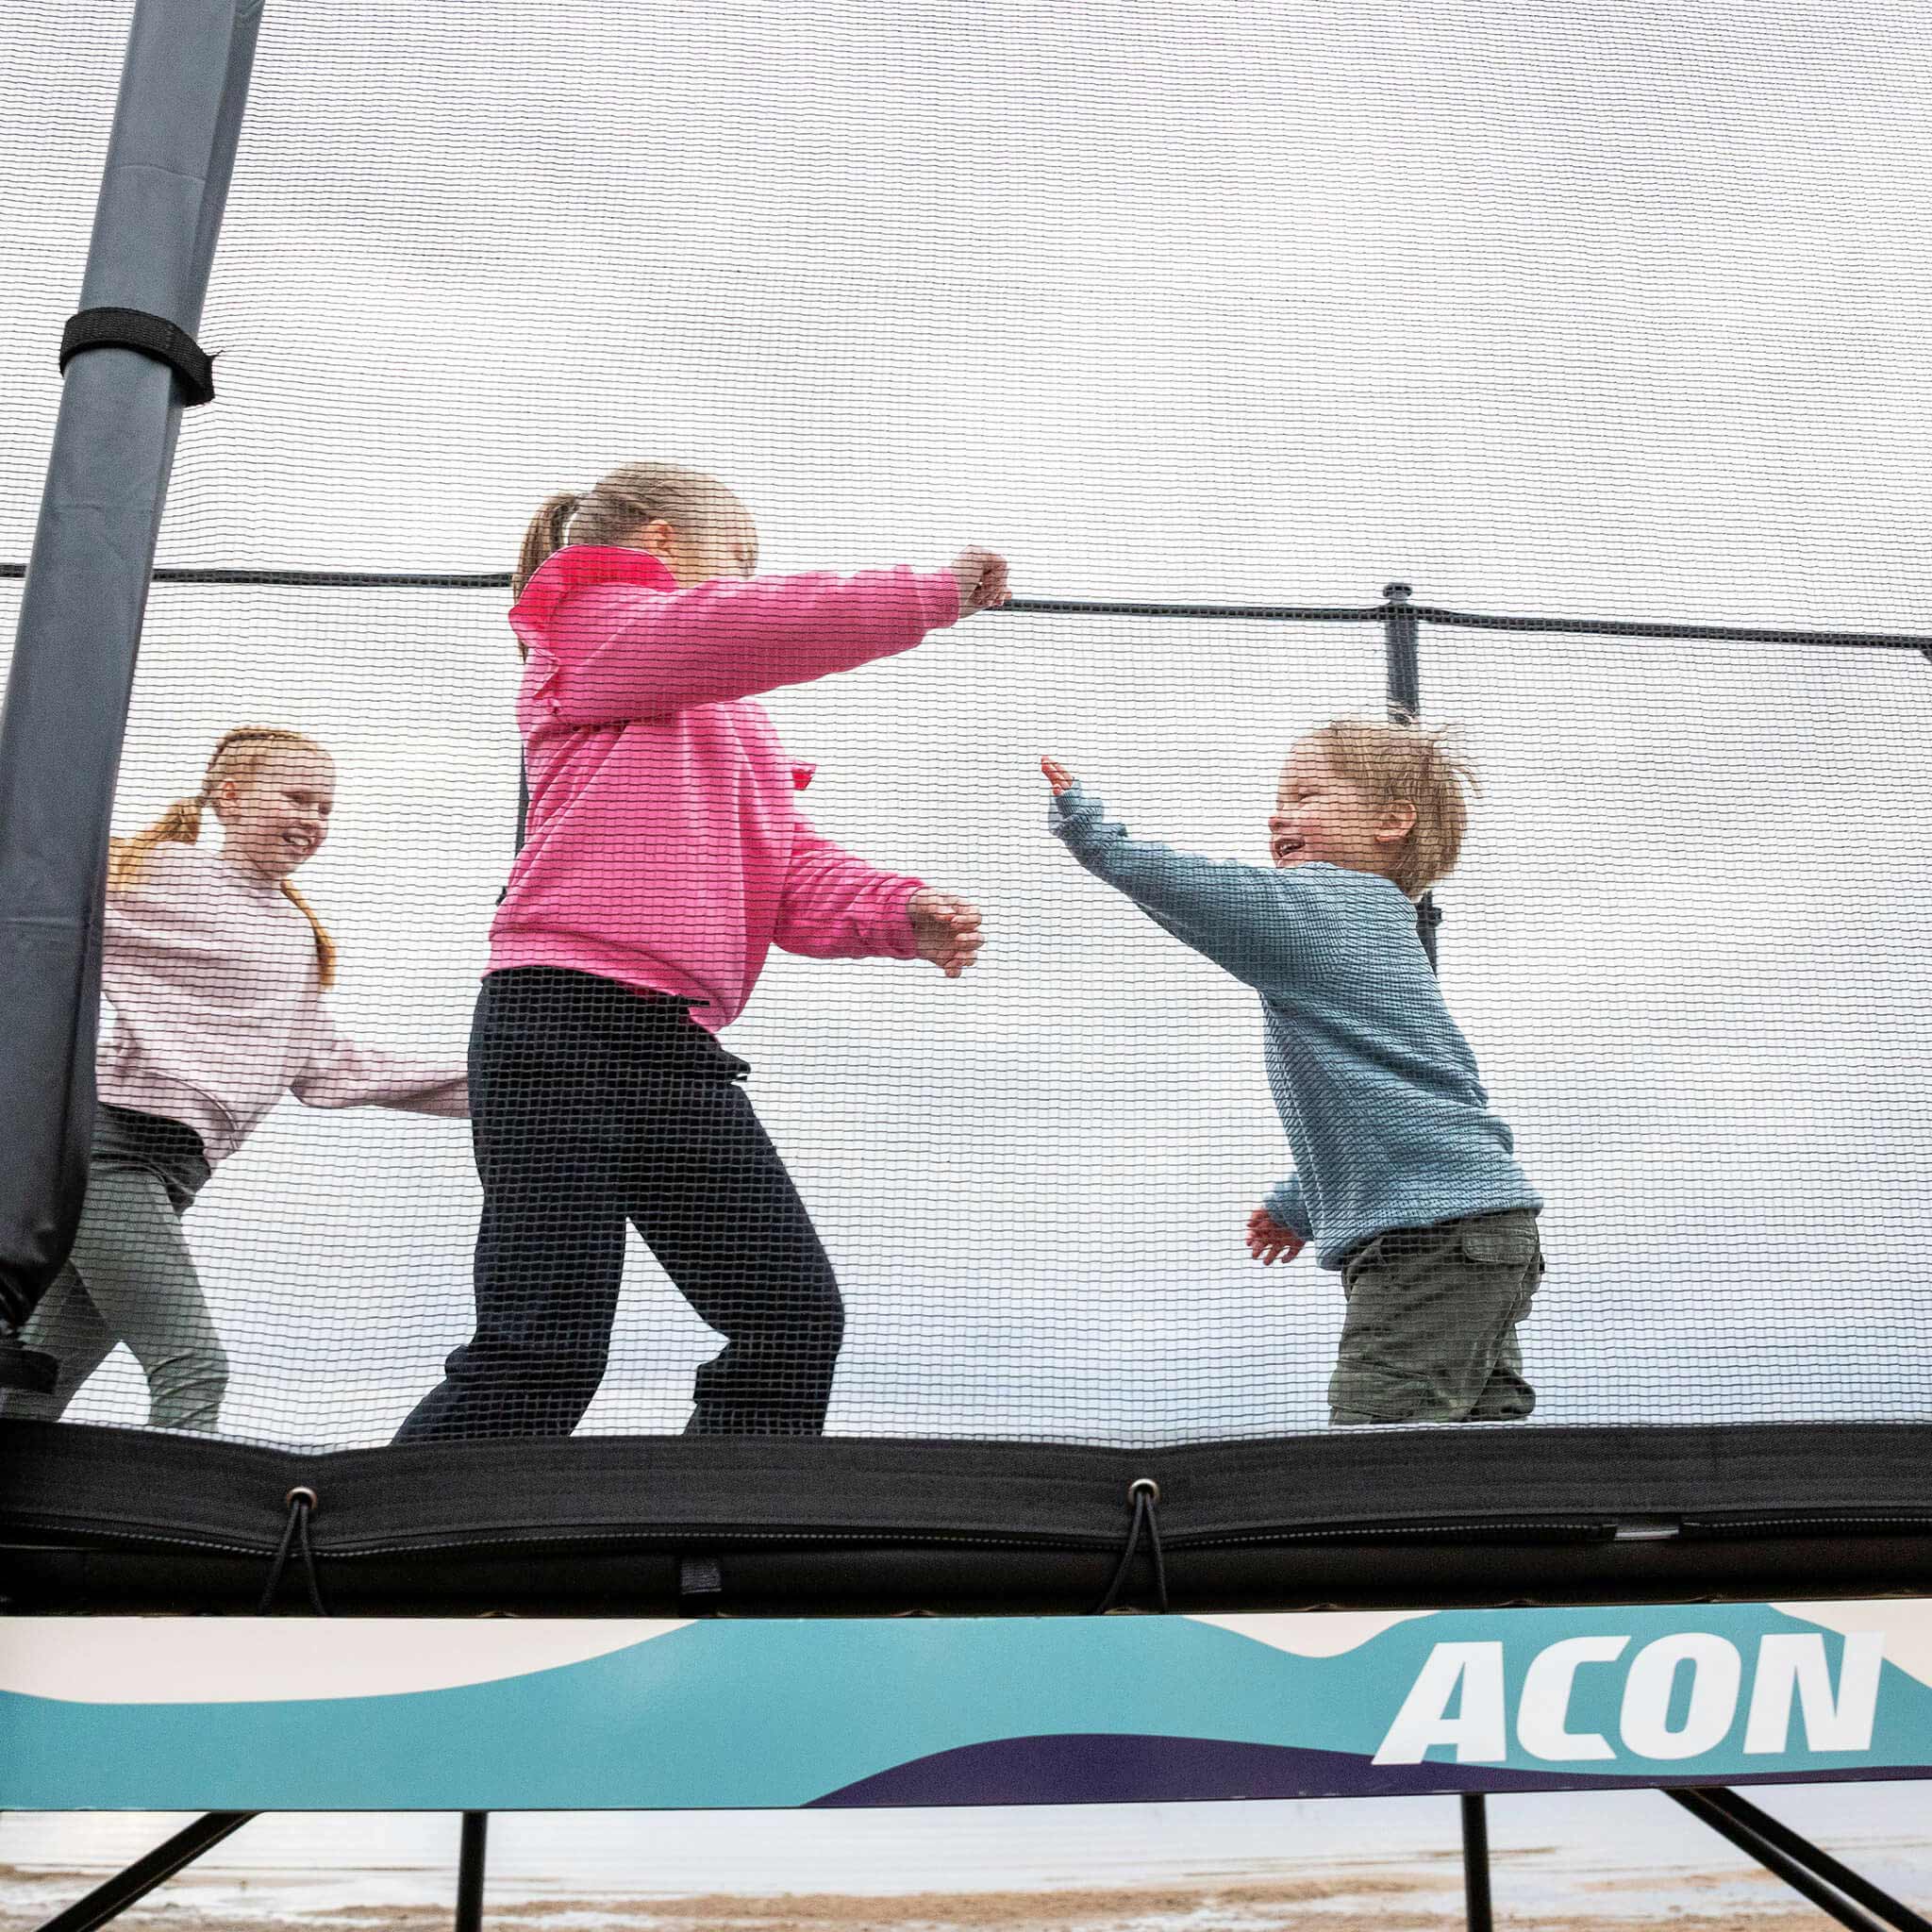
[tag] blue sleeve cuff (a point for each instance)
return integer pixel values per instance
(1061, 807)
(1076, 818)
(1287, 1208)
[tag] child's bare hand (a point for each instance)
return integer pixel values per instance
(981, 575)
(947, 927)
(1058, 776)
(1269, 1241)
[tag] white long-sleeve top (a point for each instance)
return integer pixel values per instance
(219, 1009)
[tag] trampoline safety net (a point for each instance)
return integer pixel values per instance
(1611, 320)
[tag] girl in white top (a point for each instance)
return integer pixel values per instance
(215, 967)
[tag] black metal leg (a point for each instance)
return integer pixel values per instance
(470, 1872)
(1816, 1860)
(130, 1886)
(1827, 1898)
(1475, 1860)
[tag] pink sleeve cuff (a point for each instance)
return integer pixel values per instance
(939, 598)
(896, 938)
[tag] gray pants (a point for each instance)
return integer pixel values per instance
(1430, 1335)
(131, 1278)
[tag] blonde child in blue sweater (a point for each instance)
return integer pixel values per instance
(1405, 1179)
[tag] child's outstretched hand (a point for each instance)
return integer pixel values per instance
(947, 928)
(981, 575)
(1058, 776)
(1269, 1241)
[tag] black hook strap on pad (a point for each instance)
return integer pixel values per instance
(1144, 1495)
(301, 1505)
(152, 335)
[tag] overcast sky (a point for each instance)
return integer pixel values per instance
(1614, 311)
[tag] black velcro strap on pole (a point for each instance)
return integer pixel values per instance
(152, 335)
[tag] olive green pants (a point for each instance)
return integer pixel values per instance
(1431, 1330)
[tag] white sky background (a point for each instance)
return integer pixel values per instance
(1621, 312)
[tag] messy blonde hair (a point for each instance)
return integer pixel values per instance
(608, 513)
(1399, 761)
(240, 755)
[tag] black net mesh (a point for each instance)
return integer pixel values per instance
(1615, 315)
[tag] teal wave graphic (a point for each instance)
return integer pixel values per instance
(778, 1714)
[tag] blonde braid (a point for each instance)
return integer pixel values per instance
(239, 754)
(324, 946)
(180, 824)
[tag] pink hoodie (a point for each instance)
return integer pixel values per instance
(665, 849)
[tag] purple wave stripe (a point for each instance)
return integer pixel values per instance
(1103, 1768)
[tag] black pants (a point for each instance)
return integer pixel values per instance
(591, 1106)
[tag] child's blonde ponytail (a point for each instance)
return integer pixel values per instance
(614, 509)
(237, 756)
(543, 538)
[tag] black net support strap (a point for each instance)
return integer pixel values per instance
(151, 335)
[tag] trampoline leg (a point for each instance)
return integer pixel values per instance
(470, 1872)
(130, 1886)
(1813, 1873)
(1820, 1861)
(1475, 1860)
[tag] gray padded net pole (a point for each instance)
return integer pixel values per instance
(163, 191)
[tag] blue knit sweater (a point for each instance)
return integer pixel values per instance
(1374, 1083)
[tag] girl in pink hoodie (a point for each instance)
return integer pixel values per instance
(665, 855)
(215, 967)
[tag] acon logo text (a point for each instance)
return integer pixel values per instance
(1680, 1697)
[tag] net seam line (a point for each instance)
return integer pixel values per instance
(1662, 629)
(493, 1538)
(1064, 1544)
